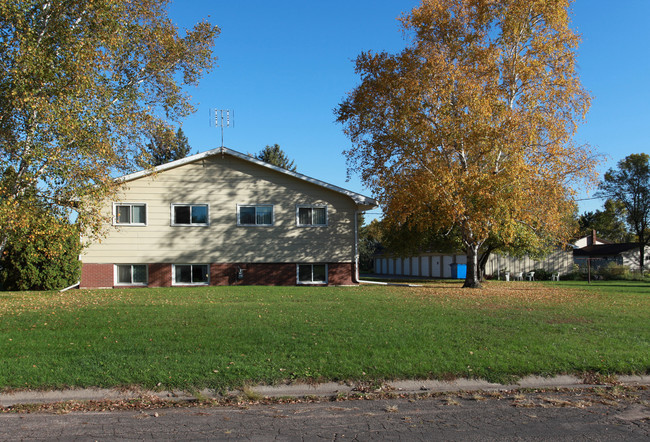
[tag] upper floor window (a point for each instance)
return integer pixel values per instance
(254, 215)
(311, 215)
(134, 214)
(190, 215)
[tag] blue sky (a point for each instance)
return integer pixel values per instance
(285, 65)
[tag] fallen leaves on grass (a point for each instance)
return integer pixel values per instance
(496, 295)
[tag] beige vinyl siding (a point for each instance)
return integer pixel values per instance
(222, 182)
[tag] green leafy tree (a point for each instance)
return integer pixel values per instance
(471, 126)
(370, 242)
(276, 156)
(81, 84)
(608, 223)
(165, 146)
(41, 256)
(629, 185)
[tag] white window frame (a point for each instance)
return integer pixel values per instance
(116, 274)
(190, 283)
(311, 206)
(298, 281)
(146, 214)
(272, 206)
(172, 218)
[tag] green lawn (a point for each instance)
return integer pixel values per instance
(231, 336)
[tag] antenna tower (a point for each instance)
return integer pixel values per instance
(222, 118)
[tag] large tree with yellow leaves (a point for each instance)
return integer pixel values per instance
(471, 126)
(81, 84)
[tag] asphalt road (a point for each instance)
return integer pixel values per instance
(579, 415)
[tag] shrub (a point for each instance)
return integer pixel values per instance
(613, 272)
(576, 274)
(43, 256)
(542, 275)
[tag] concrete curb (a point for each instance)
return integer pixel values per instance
(330, 389)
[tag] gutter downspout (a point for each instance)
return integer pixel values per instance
(355, 276)
(71, 287)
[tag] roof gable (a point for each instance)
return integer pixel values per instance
(365, 203)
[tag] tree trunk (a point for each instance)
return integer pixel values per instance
(482, 262)
(3, 243)
(472, 279)
(642, 257)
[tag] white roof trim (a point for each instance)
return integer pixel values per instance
(356, 197)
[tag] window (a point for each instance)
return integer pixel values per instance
(312, 273)
(198, 274)
(190, 215)
(130, 214)
(311, 215)
(255, 215)
(131, 274)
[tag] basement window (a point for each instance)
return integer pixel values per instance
(191, 274)
(131, 274)
(312, 273)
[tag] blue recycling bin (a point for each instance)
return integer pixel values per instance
(458, 271)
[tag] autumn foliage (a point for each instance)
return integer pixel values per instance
(81, 83)
(470, 127)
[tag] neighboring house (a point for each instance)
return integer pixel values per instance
(223, 217)
(599, 255)
(589, 240)
(600, 252)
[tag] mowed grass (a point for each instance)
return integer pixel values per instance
(222, 337)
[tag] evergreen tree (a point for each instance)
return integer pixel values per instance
(165, 146)
(276, 156)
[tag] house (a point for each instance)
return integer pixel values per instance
(596, 252)
(589, 240)
(599, 255)
(223, 217)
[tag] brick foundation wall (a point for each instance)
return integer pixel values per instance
(96, 276)
(254, 274)
(341, 273)
(160, 274)
(275, 274)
